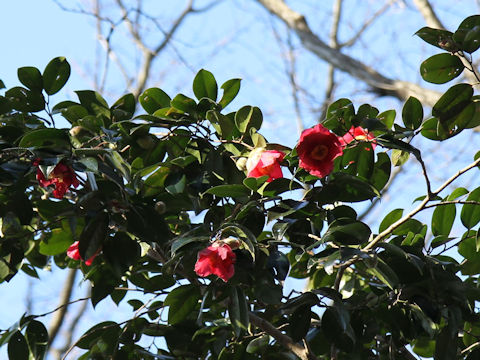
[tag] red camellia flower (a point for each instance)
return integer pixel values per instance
(74, 254)
(217, 259)
(357, 133)
(317, 149)
(263, 162)
(62, 177)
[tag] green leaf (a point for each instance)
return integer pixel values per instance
(339, 116)
(25, 100)
(37, 338)
(391, 217)
(442, 219)
(107, 330)
(453, 101)
(46, 138)
(399, 157)
(467, 34)
(441, 68)
(346, 231)
(18, 347)
(248, 117)
(238, 311)
(154, 99)
(234, 190)
(345, 187)
(470, 215)
(56, 75)
(124, 108)
(258, 344)
(446, 344)
(412, 113)
(57, 243)
(184, 103)
(230, 90)
(384, 273)
(442, 39)
(336, 327)
(300, 321)
(182, 301)
(205, 85)
(181, 241)
(381, 171)
(424, 347)
(387, 117)
(30, 77)
(93, 235)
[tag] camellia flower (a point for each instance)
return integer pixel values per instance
(357, 133)
(62, 177)
(317, 149)
(263, 162)
(217, 259)
(74, 253)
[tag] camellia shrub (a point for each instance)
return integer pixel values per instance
(185, 200)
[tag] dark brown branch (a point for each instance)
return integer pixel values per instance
(284, 340)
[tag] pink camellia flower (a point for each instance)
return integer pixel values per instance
(74, 254)
(263, 162)
(217, 259)
(317, 149)
(62, 177)
(357, 133)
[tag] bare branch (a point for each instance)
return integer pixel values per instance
(59, 316)
(367, 24)
(378, 82)
(428, 14)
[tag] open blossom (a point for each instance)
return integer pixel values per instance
(74, 253)
(62, 177)
(317, 149)
(217, 259)
(357, 133)
(263, 162)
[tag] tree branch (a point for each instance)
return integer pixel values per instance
(65, 296)
(428, 14)
(378, 82)
(284, 340)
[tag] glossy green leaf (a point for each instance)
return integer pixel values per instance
(25, 100)
(46, 138)
(346, 187)
(30, 77)
(93, 235)
(441, 68)
(258, 344)
(184, 103)
(412, 113)
(339, 116)
(446, 344)
(345, 231)
(388, 118)
(18, 347)
(234, 190)
(205, 85)
(230, 90)
(391, 218)
(467, 34)
(181, 301)
(442, 219)
(384, 273)
(336, 327)
(56, 75)
(453, 101)
(470, 215)
(238, 311)
(442, 39)
(154, 99)
(399, 157)
(57, 243)
(37, 339)
(107, 330)
(248, 117)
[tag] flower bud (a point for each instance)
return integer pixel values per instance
(160, 207)
(76, 130)
(241, 164)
